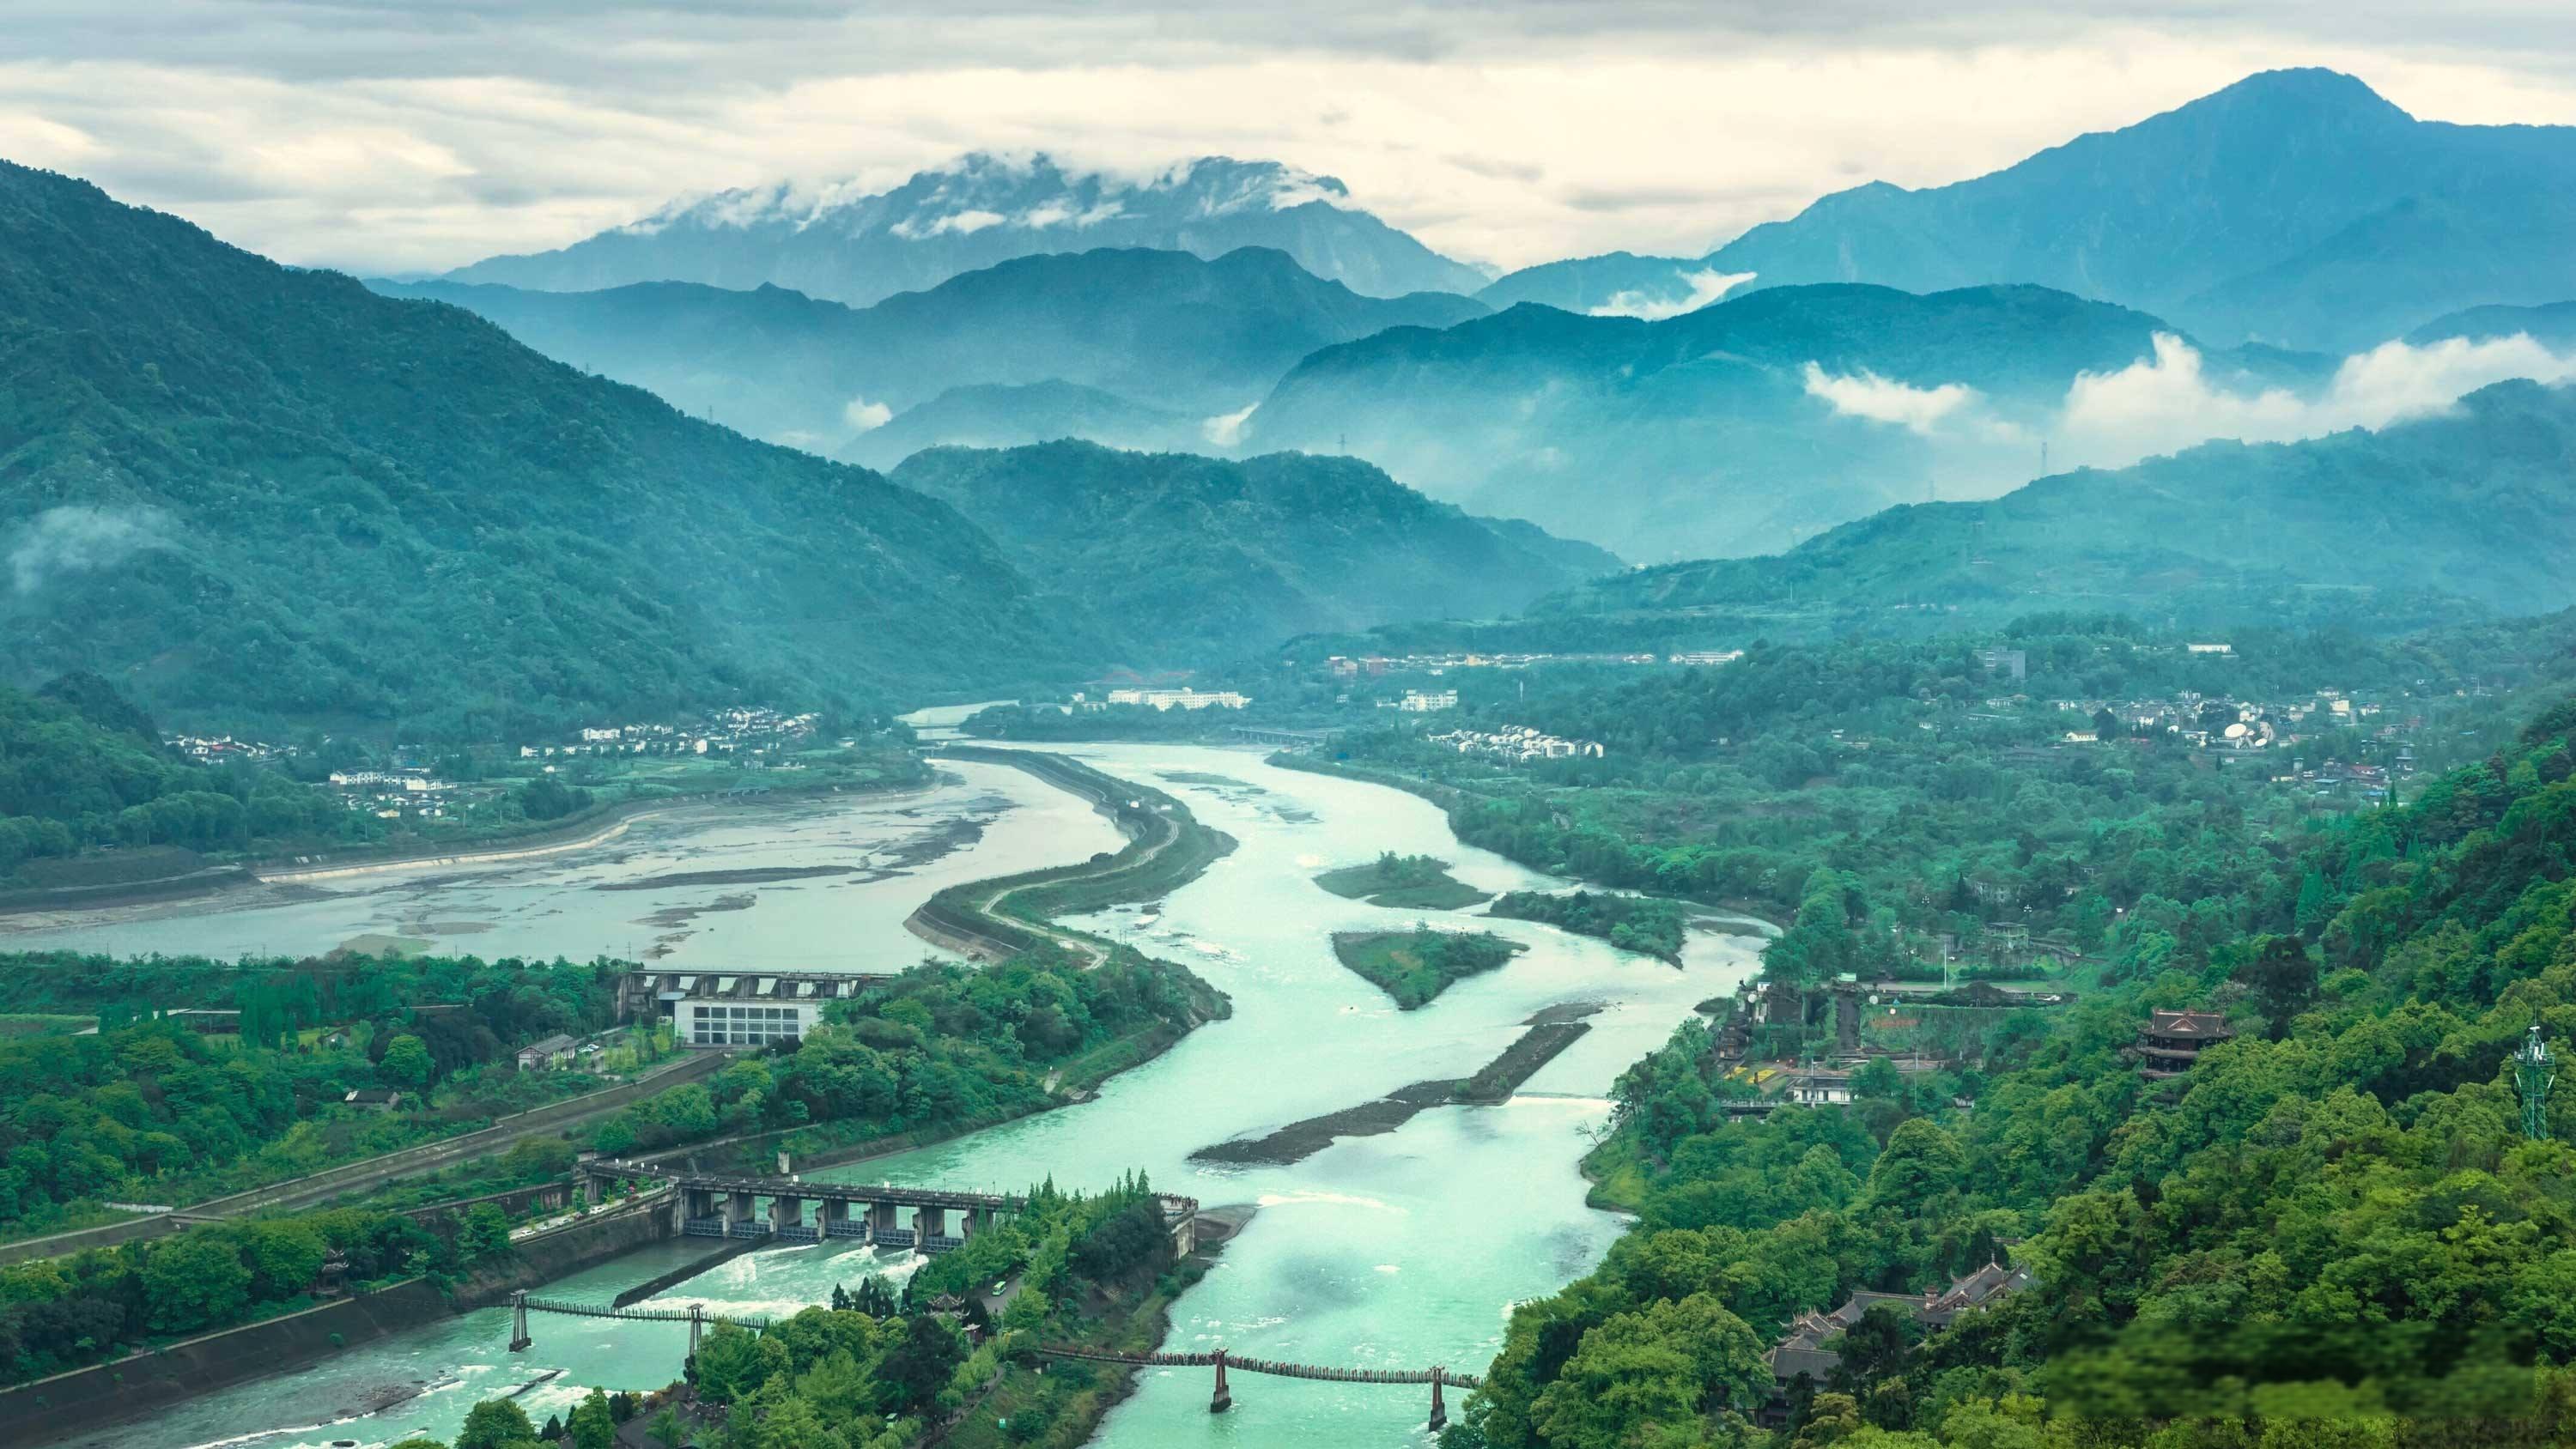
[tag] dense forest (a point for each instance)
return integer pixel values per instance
(151, 1110)
(80, 769)
(2336, 1214)
(1202, 558)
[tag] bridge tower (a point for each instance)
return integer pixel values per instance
(1439, 1414)
(697, 1325)
(519, 1339)
(1223, 1400)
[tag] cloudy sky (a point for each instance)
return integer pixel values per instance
(387, 136)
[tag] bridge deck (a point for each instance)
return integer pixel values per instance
(1270, 1366)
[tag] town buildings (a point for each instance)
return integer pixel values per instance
(1517, 743)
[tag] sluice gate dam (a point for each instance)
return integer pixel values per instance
(728, 1205)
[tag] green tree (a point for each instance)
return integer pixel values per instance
(407, 1064)
(1921, 1162)
(494, 1423)
(591, 1424)
(732, 1362)
(195, 1280)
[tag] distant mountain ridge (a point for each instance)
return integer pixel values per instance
(1165, 331)
(243, 492)
(1705, 433)
(2297, 207)
(2463, 513)
(984, 209)
(1212, 557)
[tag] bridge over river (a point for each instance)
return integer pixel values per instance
(695, 1315)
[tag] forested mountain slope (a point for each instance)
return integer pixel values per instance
(1160, 329)
(241, 491)
(2384, 530)
(1198, 556)
(1734, 429)
(2295, 206)
(995, 415)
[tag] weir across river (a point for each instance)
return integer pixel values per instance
(727, 1205)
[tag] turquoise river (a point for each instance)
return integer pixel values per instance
(1402, 1250)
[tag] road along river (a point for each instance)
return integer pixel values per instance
(1401, 1250)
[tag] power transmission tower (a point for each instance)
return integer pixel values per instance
(2533, 1075)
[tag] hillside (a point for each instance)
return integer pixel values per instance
(1706, 434)
(1162, 329)
(2552, 325)
(2459, 513)
(243, 492)
(996, 415)
(1204, 556)
(860, 248)
(2296, 207)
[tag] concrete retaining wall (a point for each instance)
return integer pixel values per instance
(132, 1387)
(137, 1385)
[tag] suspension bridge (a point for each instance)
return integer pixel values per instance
(696, 1316)
(1436, 1376)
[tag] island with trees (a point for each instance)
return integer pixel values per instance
(1404, 883)
(1415, 966)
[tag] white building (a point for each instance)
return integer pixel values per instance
(703, 1022)
(1419, 701)
(1179, 698)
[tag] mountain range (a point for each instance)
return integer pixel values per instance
(834, 242)
(246, 494)
(1734, 429)
(2468, 512)
(1231, 557)
(2296, 207)
(1165, 330)
(250, 492)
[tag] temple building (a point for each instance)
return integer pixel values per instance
(2172, 1041)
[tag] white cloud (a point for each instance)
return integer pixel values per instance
(963, 223)
(866, 416)
(1865, 394)
(76, 539)
(2167, 402)
(1225, 430)
(1512, 135)
(1706, 286)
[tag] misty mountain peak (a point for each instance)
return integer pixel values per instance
(843, 242)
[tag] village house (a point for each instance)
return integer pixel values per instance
(551, 1054)
(1804, 1352)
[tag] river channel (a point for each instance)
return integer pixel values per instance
(1401, 1250)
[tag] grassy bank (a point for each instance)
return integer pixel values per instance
(1415, 966)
